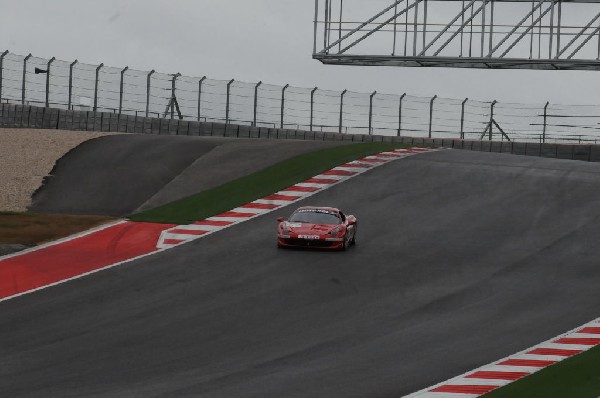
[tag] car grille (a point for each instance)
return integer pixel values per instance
(308, 243)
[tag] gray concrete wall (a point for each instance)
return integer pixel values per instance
(39, 117)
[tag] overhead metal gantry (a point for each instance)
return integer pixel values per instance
(491, 34)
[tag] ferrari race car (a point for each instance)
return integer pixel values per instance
(317, 227)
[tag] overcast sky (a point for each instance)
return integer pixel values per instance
(249, 40)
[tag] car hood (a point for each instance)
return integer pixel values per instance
(308, 228)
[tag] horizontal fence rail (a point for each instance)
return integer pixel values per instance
(72, 85)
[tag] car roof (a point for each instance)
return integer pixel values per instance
(333, 209)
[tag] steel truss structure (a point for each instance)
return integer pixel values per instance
(490, 34)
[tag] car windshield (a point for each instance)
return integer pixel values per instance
(315, 217)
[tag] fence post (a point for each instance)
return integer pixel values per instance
(545, 116)
(24, 78)
(227, 104)
(371, 112)
(312, 104)
(400, 114)
(48, 65)
(283, 102)
(200, 94)
(148, 91)
(462, 119)
(492, 119)
(1, 68)
(342, 109)
(431, 113)
(71, 83)
(121, 89)
(255, 102)
(96, 86)
(173, 97)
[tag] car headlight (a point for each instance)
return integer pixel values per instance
(335, 231)
(285, 229)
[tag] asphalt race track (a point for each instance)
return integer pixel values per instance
(116, 175)
(462, 258)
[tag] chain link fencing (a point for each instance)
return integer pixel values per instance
(31, 80)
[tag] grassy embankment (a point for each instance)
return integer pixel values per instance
(33, 228)
(262, 183)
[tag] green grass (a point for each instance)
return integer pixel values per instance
(34, 228)
(575, 377)
(257, 185)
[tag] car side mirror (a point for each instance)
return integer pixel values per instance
(280, 219)
(351, 220)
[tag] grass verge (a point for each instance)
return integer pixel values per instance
(33, 228)
(257, 185)
(575, 377)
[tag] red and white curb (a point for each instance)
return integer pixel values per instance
(490, 377)
(187, 233)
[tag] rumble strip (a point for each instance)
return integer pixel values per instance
(490, 377)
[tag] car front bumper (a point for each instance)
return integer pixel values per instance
(324, 242)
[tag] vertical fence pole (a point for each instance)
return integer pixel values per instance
(148, 84)
(121, 88)
(283, 102)
(48, 65)
(173, 96)
(545, 117)
(1, 69)
(227, 103)
(255, 102)
(371, 112)
(23, 86)
(492, 119)
(341, 109)
(400, 115)
(462, 119)
(200, 95)
(312, 106)
(431, 113)
(71, 66)
(96, 86)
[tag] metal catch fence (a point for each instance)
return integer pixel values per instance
(74, 85)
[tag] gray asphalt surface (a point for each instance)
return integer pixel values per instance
(116, 175)
(462, 258)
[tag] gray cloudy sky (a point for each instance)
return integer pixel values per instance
(249, 40)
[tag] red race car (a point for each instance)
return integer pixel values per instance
(317, 227)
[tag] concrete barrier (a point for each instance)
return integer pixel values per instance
(533, 149)
(564, 151)
(30, 116)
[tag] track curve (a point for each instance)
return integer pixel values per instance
(462, 258)
(119, 174)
